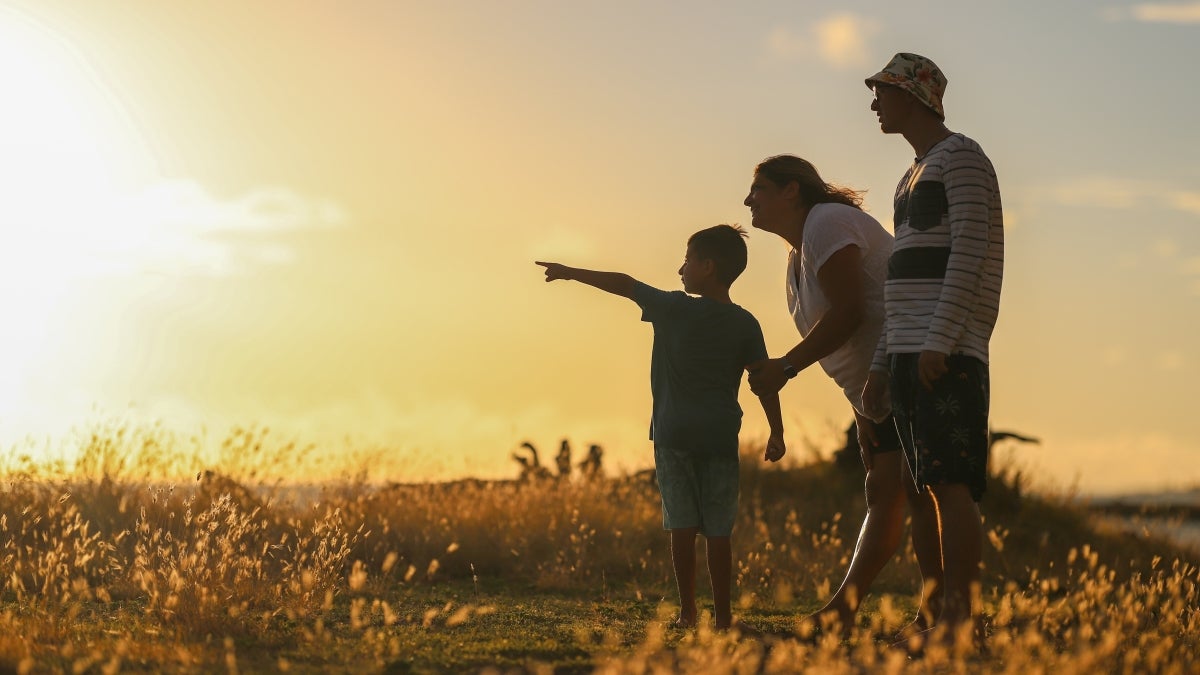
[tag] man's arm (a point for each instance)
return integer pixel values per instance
(967, 182)
(611, 282)
(841, 281)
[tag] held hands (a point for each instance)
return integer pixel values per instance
(766, 376)
(775, 447)
(555, 271)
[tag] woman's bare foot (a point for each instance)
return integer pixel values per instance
(920, 624)
(830, 618)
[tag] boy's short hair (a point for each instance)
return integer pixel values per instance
(725, 245)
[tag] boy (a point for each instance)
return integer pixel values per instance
(701, 347)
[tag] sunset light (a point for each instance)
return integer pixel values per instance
(282, 388)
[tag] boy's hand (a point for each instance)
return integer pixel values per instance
(766, 376)
(775, 448)
(555, 271)
(875, 395)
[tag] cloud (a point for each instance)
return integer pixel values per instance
(174, 228)
(843, 39)
(1170, 361)
(1118, 193)
(1156, 12)
(839, 40)
(1184, 13)
(1165, 248)
(188, 207)
(1188, 202)
(1114, 355)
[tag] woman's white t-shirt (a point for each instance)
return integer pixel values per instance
(828, 229)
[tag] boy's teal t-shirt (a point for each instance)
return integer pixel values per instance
(701, 349)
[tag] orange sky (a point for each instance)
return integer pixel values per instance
(323, 217)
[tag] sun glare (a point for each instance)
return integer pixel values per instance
(67, 154)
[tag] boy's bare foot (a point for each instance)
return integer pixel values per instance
(916, 643)
(920, 624)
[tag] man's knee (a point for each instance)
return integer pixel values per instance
(952, 495)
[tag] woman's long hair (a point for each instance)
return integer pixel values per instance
(784, 169)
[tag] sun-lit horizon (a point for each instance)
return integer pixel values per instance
(323, 219)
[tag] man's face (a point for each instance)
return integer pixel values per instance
(892, 105)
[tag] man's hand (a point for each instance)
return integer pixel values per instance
(555, 271)
(875, 395)
(868, 439)
(766, 376)
(775, 448)
(930, 367)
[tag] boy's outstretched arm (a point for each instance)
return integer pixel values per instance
(612, 282)
(775, 444)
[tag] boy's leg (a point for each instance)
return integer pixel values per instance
(683, 560)
(720, 570)
(878, 539)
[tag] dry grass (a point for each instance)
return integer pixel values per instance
(134, 556)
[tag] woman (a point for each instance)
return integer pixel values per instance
(835, 277)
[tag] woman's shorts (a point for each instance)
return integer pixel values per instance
(697, 491)
(885, 433)
(944, 431)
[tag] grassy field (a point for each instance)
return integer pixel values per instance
(108, 566)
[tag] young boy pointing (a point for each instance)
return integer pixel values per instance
(702, 345)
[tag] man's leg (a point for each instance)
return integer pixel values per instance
(962, 552)
(878, 539)
(683, 559)
(720, 570)
(927, 546)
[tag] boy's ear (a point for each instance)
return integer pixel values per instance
(709, 266)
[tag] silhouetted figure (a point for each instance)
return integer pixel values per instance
(562, 461)
(531, 466)
(997, 436)
(590, 467)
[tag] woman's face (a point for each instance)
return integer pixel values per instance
(769, 206)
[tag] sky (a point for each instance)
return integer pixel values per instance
(322, 217)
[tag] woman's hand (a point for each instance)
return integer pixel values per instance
(875, 395)
(766, 376)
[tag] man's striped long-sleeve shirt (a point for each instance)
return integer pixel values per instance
(943, 287)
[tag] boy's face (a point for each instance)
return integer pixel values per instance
(694, 271)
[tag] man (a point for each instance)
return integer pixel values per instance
(942, 298)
